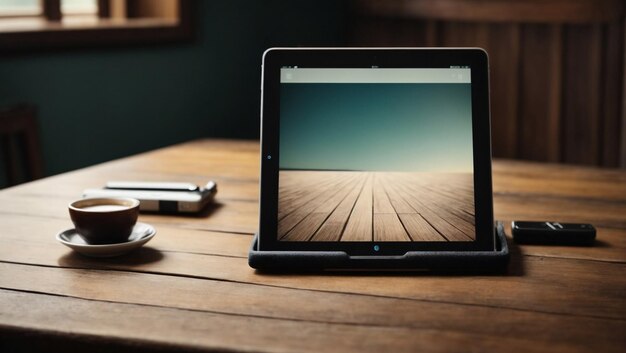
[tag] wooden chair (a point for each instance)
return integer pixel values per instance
(557, 67)
(19, 137)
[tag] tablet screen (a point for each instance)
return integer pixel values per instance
(375, 155)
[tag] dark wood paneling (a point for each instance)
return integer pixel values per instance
(504, 50)
(463, 34)
(534, 11)
(556, 68)
(394, 32)
(612, 94)
(539, 93)
(581, 101)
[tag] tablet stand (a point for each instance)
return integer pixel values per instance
(435, 261)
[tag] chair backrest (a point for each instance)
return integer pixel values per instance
(557, 67)
(19, 137)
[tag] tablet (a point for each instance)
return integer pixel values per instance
(375, 152)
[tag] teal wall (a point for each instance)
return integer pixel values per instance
(100, 104)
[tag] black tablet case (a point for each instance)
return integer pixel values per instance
(436, 261)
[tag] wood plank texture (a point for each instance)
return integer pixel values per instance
(540, 95)
(612, 94)
(534, 11)
(370, 206)
(359, 224)
(581, 131)
(217, 332)
(190, 288)
(504, 45)
(556, 67)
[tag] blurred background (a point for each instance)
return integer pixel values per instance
(86, 81)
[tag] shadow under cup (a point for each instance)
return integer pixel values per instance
(104, 220)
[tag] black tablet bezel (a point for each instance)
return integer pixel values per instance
(275, 58)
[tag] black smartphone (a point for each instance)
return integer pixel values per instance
(555, 233)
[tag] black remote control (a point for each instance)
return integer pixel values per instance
(555, 233)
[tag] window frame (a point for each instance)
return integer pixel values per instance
(53, 34)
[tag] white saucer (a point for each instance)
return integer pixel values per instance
(142, 233)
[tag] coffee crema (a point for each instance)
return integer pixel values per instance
(104, 208)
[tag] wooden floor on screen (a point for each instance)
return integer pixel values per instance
(375, 206)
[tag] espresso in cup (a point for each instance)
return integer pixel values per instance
(104, 220)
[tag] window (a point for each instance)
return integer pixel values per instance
(79, 7)
(18, 8)
(40, 24)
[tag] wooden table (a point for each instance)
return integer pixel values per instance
(191, 287)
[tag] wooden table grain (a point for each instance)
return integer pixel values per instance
(190, 288)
